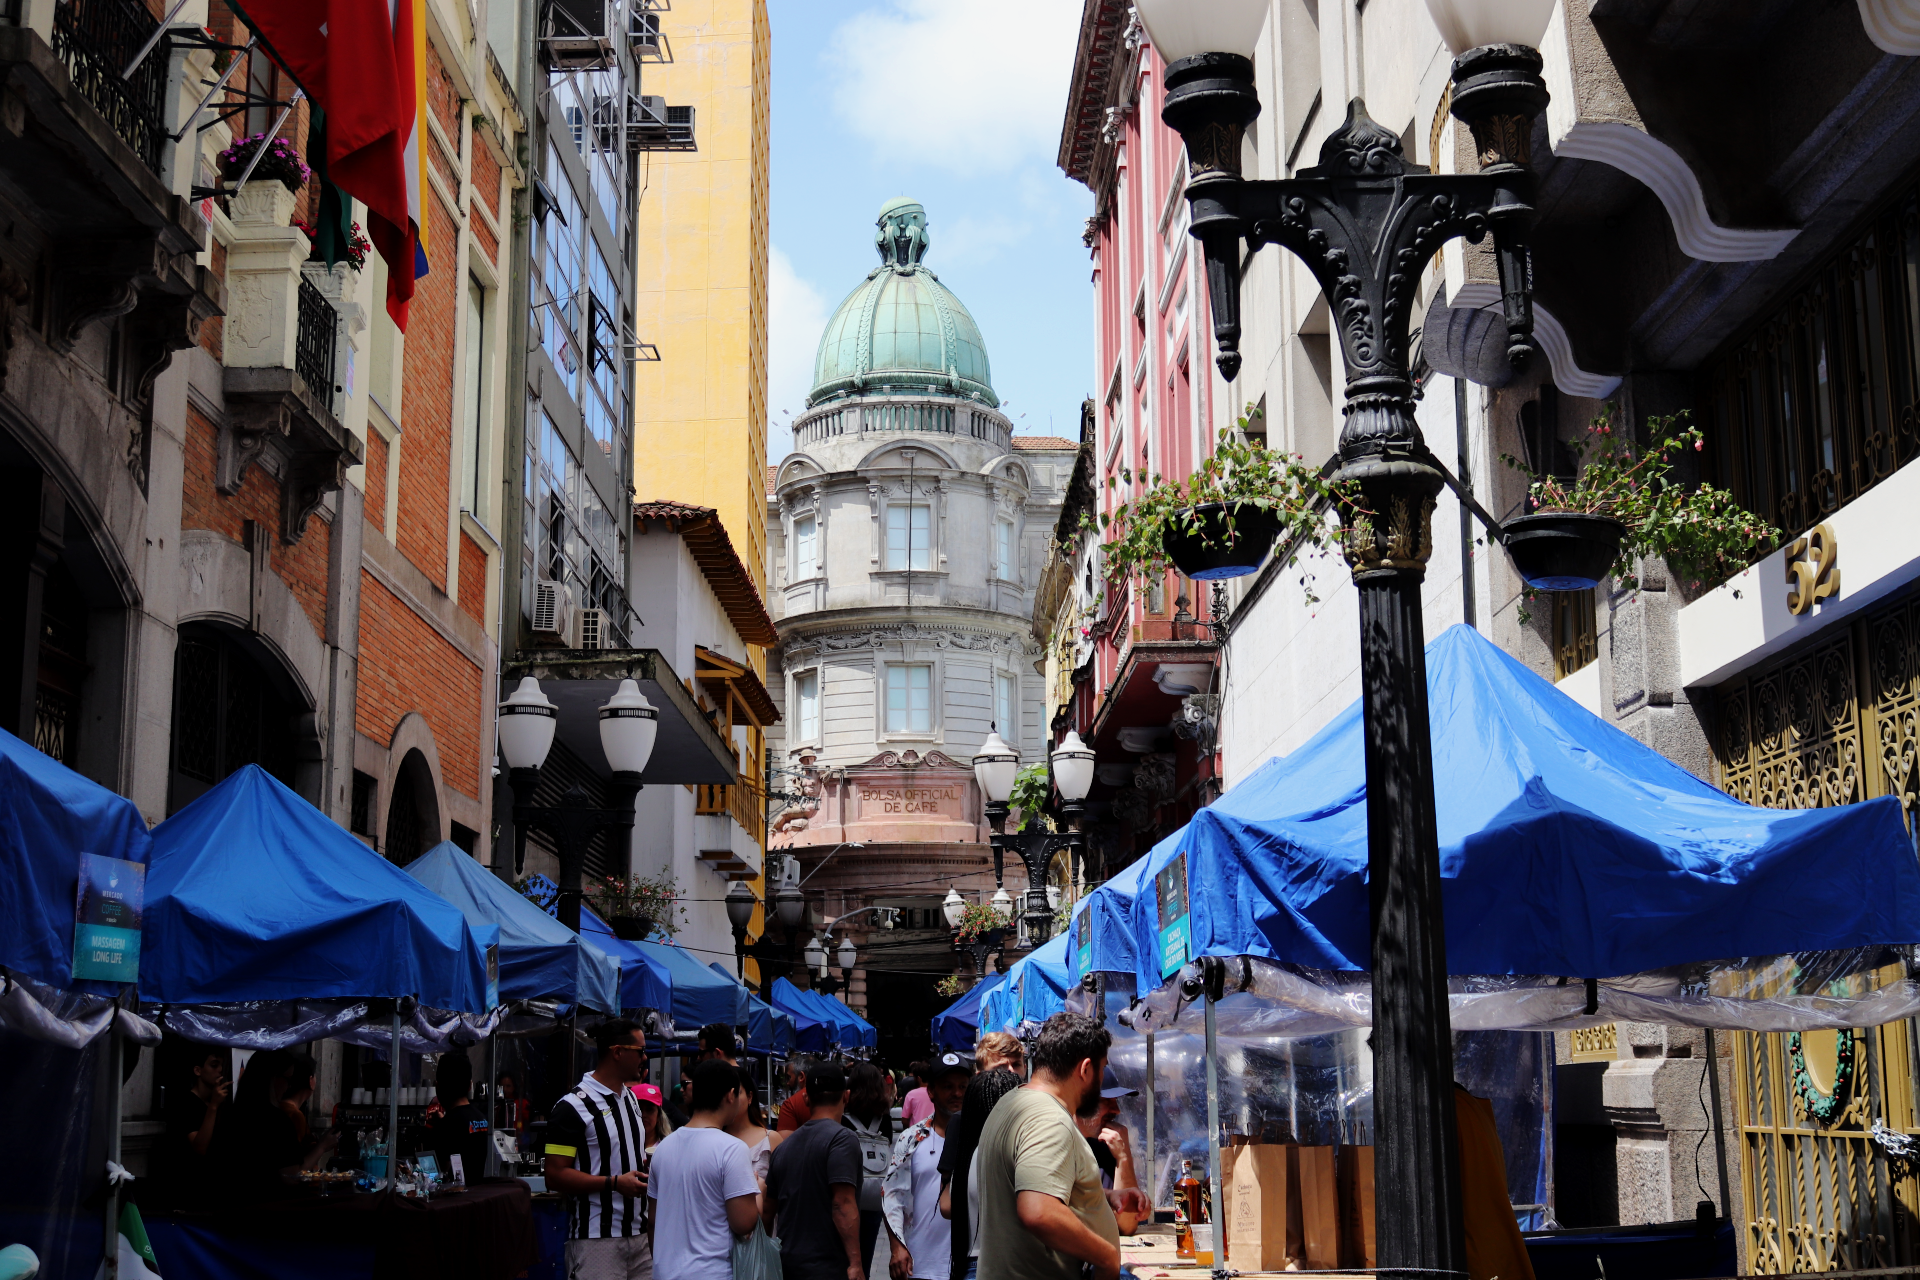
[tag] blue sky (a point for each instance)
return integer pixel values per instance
(957, 104)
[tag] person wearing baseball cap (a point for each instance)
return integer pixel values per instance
(1111, 1149)
(812, 1205)
(920, 1239)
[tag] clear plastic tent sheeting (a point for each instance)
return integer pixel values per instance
(1808, 991)
(1317, 1091)
(281, 1024)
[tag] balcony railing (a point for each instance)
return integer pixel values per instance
(96, 39)
(740, 801)
(892, 416)
(313, 349)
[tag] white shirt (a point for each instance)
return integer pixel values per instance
(695, 1172)
(929, 1236)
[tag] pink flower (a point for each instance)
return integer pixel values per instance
(1698, 445)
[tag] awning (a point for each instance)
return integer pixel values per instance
(815, 1031)
(687, 750)
(958, 1025)
(1035, 989)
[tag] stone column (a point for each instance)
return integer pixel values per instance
(263, 278)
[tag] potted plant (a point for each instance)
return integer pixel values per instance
(981, 920)
(951, 987)
(636, 907)
(1032, 788)
(356, 248)
(1221, 521)
(1627, 503)
(281, 160)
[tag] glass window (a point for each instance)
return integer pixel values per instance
(1006, 706)
(471, 461)
(806, 696)
(908, 531)
(1003, 550)
(805, 547)
(909, 698)
(558, 319)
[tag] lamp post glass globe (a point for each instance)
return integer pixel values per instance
(526, 724)
(847, 955)
(1470, 24)
(953, 907)
(1003, 902)
(1188, 28)
(740, 905)
(1073, 768)
(628, 726)
(791, 906)
(815, 956)
(995, 766)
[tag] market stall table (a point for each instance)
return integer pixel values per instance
(482, 1233)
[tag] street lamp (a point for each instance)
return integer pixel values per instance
(526, 725)
(995, 767)
(847, 955)
(740, 905)
(954, 908)
(1366, 223)
(815, 956)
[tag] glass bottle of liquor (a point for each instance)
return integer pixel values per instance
(1186, 1209)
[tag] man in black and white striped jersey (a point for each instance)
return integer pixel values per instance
(596, 1150)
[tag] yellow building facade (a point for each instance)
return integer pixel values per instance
(700, 432)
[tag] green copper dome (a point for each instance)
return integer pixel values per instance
(901, 327)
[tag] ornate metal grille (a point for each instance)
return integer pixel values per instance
(1819, 1193)
(1822, 402)
(314, 344)
(56, 717)
(1576, 636)
(95, 39)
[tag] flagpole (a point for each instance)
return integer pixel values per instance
(153, 39)
(218, 85)
(271, 134)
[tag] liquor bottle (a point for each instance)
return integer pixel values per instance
(1186, 1208)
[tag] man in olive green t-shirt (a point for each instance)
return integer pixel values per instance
(1042, 1211)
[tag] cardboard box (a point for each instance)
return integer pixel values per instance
(1319, 1238)
(1356, 1208)
(1257, 1196)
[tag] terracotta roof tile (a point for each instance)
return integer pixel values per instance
(1044, 442)
(713, 551)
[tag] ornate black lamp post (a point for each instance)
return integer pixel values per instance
(995, 768)
(1366, 223)
(984, 942)
(740, 905)
(628, 724)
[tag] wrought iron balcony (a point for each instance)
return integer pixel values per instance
(315, 341)
(95, 40)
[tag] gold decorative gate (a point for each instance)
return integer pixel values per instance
(1834, 723)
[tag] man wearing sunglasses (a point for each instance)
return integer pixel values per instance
(596, 1152)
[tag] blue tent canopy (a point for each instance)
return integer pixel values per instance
(49, 816)
(958, 1025)
(868, 1036)
(254, 894)
(846, 1028)
(645, 980)
(1566, 847)
(700, 996)
(769, 1030)
(1035, 989)
(540, 958)
(814, 1031)
(1100, 939)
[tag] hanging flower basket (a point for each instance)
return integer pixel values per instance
(1563, 550)
(632, 928)
(1210, 541)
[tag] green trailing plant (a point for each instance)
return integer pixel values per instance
(1244, 476)
(1032, 788)
(1700, 531)
(979, 919)
(951, 987)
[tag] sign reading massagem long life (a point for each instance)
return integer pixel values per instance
(106, 919)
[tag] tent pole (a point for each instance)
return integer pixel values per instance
(1153, 1104)
(493, 1100)
(1719, 1130)
(393, 1101)
(1212, 964)
(110, 1247)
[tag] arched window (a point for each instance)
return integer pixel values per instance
(229, 710)
(413, 815)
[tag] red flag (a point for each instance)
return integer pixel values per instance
(356, 60)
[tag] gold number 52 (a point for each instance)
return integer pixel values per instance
(1811, 572)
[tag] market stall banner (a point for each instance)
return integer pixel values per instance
(1566, 848)
(540, 958)
(1106, 918)
(253, 894)
(51, 818)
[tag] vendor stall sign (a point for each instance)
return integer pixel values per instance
(106, 919)
(493, 975)
(1083, 941)
(1176, 923)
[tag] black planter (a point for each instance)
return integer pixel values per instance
(1562, 551)
(1208, 550)
(631, 928)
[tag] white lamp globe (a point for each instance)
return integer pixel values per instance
(1186, 28)
(1003, 902)
(1073, 768)
(526, 724)
(740, 904)
(815, 956)
(791, 906)
(848, 956)
(1468, 24)
(995, 766)
(953, 907)
(1053, 897)
(628, 725)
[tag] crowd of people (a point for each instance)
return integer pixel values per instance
(988, 1168)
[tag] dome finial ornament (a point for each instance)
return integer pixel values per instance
(902, 236)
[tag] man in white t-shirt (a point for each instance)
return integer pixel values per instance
(702, 1184)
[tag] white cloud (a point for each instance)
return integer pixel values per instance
(796, 313)
(971, 86)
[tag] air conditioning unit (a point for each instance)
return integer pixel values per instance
(574, 35)
(652, 125)
(645, 39)
(589, 629)
(550, 620)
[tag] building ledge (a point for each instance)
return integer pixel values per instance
(274, 409)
